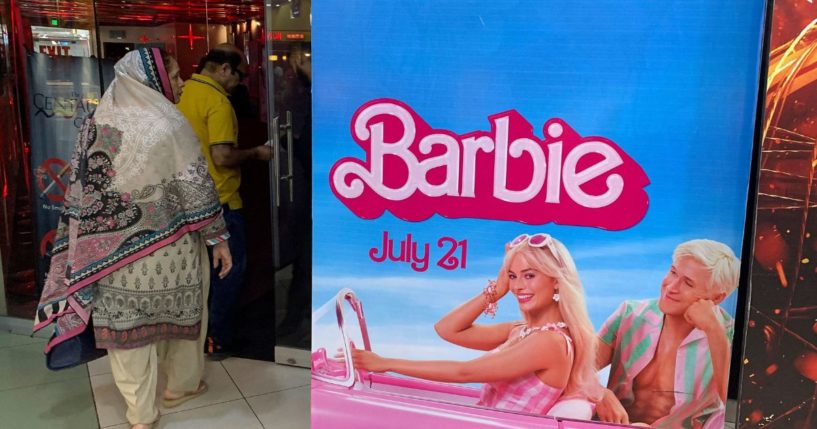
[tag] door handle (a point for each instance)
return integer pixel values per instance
(290, 154)
(290, 176)
(276, 154)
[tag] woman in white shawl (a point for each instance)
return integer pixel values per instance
(130, 256)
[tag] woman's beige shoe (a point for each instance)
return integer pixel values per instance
(175, 402)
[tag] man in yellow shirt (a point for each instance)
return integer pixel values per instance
(205, 104)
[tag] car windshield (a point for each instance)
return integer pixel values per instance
(337, 327)
(330, 357)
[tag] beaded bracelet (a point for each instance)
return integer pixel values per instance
(490, 299)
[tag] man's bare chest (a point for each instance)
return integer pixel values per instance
(653, 390)
(659, 374)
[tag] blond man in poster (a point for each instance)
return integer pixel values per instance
(670, 356)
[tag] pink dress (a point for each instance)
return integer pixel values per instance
(527, 394)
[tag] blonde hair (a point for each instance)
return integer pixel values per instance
(719, 260)
(573, 308)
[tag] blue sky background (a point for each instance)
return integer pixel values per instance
(673, 83)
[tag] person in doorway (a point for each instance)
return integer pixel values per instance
(670, 356)
(206, 106)
(130, 253)
(531, 364)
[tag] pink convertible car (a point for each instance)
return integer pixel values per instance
(345, 398)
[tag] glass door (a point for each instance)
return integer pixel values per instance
(270, 317)
(289, 89)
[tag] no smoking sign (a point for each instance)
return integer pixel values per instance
(51, 179)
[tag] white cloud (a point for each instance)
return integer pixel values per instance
(622, 282)
(425, 292)
(428, 298)
(600, 285)
(391, 283)
(654, 246)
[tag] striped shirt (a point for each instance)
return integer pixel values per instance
(633, 332)
(527, 394)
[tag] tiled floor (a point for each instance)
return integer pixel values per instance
(243, 394)
(33, 397)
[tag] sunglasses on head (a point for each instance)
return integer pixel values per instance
(539, 240)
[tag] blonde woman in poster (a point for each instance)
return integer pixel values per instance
(669, 356)
(531, 364)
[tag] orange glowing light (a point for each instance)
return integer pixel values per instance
(806, 365)
(781, 274)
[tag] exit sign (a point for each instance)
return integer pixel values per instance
(287, 35)
(55, 22)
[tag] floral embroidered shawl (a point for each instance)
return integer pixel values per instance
(138, 183)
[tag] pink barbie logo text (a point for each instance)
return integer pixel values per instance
(415, 171)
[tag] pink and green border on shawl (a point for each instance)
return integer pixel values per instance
(73, 307)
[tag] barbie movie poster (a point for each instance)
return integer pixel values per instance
(527, 213)
(780, 367)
